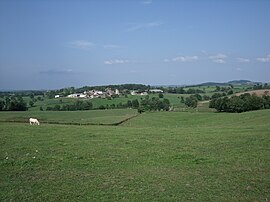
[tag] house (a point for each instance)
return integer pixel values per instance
(156, 91)
(144, 93)
(94, 94)
(109, 92)
(57, 96)
(73, 95)
(133, 92)
(77, 95)
(82, 95)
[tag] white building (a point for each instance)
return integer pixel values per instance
(144, 93)
(133, 92)
(77, 95)
(156, 91)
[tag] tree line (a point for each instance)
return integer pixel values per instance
(146, 104)
(78, 105)
(242, 103)
(13, 103)
(181, 90)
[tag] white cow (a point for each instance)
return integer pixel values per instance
(33, 121)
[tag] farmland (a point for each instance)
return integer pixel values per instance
(156, 156)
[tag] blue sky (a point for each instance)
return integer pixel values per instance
(46, 44)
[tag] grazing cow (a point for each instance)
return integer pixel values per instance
(33, 121)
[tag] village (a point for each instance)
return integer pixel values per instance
(108, 93)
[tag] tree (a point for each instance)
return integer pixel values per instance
(17, 104)
(216, 95)
(230, 92)
(129, 104)
(31, 103)
(266, 102)
(7, 104)
(217, 88)
(220, 104)
(2, 105)
(50, 94)
(182, 99)
(198, 96)
(160, 95)
(166, 105)
(206, 97)
(154, 104)
(140, 110)
(135, 104)
(191, 101)
(102, 107)
(242, 103)
(112, 106)
(57, 108)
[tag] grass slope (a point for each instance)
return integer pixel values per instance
(154, 157)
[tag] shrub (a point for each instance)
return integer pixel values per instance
(191, 101)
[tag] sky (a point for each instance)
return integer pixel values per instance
(51, 44)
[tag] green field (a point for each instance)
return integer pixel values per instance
(70, 117)
(159, 156)
(97, 102)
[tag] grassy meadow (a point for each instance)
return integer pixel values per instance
(70, 117)
(158, 156)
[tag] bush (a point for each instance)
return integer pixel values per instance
(191, 101)
(102, 107)
(216, 95)
(160, 95)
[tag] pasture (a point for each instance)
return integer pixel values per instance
(165, 156)
(97, 102)
(70, 117)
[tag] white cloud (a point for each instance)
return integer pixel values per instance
(182, 59)
(219, 58)
(116, 61)
(147, 2)
(243, 60)
(264, 59)
(82, 44)
(186, 58)
(139, 26)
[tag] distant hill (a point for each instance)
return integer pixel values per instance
(234, 82)
(212, 84)
(242, 82)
